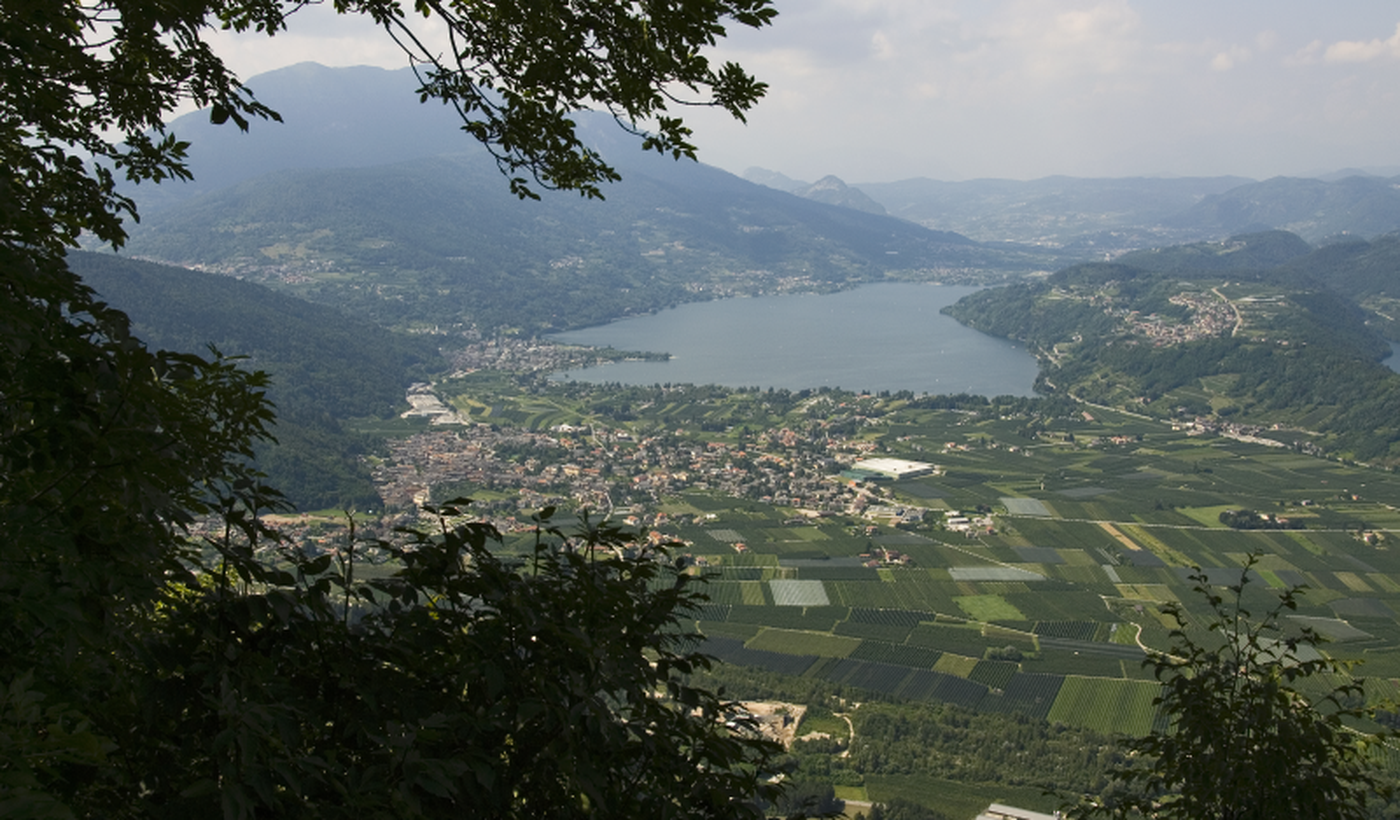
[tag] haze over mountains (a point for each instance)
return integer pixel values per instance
(432, 234)
(356, 178)
(1121, 214)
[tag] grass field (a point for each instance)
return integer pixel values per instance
(1108, 706)
(950, 664)
(988, 608)
(791, 642)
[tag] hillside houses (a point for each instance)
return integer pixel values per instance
(1211, 315)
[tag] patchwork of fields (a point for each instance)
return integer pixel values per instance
(1050, 614)
(1088, 524)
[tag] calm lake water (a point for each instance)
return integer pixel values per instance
(877, 337)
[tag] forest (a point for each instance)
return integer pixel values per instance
(325, 368)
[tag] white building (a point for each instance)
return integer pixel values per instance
(997, 811)
(895, 468)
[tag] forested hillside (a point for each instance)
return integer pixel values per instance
(325, 366)
(348, 117)
(1256, 329)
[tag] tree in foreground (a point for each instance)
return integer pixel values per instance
(1258, 726)
(463, 684)
(139, 680)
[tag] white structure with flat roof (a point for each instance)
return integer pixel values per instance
(895, 468)
(997, 811)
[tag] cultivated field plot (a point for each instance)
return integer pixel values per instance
(1025, 506)
(733, 651)
(799, 593)
(993, 574)
(915, 657)
(1106, 706)
(803, 643)
(1028, 693)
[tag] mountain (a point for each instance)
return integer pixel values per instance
(325, 367)
(773, 179)
(1315, 209)
(1245, 252)
(829, 189)
(442, 241)
(1359, 269)
(1362, 271)
(1085, 215)
(1369, 171)
(1257, 330)
(1105, 217)
(370, 202)
(332, 118)
(833, 191)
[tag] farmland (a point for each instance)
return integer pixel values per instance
(1081, 523)
(1090, 520)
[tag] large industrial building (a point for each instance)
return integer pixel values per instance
(892, 468)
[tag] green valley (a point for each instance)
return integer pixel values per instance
(308, 509)
(1013, 589)
(1021, 581)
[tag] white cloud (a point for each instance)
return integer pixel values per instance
(315, 33)
(1307, 55)
(1058, 42)
(1229, 58)
(1362, 51)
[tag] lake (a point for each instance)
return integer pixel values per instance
(887, 336)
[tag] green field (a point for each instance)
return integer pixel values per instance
(803, 643)
(1108, 706)
(988, 608)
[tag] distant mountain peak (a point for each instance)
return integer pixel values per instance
(830, 182)
(773, 179)
(832, 190)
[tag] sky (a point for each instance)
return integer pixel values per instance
(884, 90)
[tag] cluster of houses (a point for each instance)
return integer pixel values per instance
(1211, 316)
(968, 525)
(612, 469)
(1250, 433)
(515, 355)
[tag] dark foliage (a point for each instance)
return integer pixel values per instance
(1244, 740)
(323, 367)
(162, 655)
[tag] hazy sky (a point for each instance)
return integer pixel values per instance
(880, 90)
